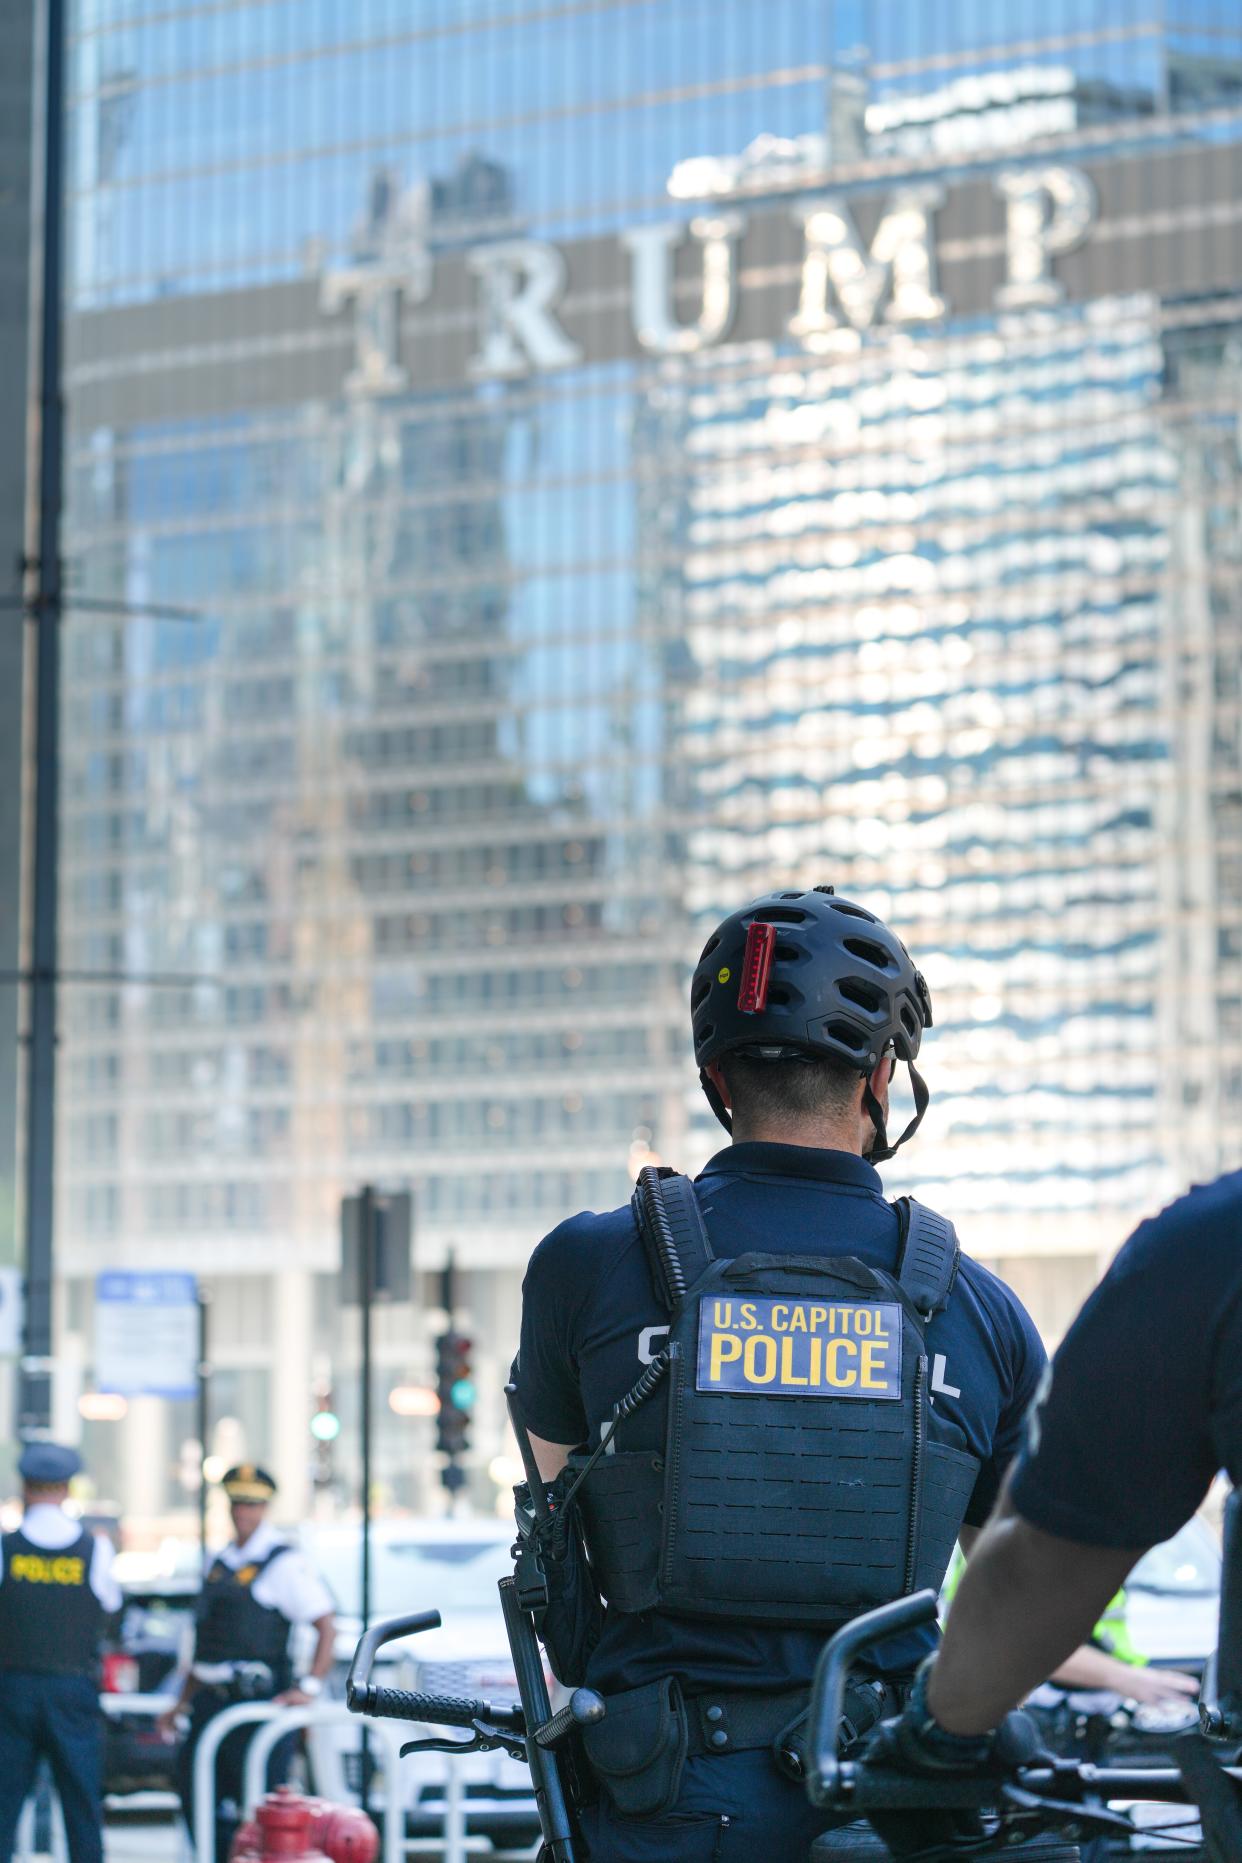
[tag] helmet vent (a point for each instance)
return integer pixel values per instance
(854, 990)
(701, 993)
(710, 946)
(786, 953)
(781, 915)
(870, 953)
(847, 1036)
(777, 998)
(853, 912)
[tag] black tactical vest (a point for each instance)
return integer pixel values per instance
(232, 1627)
(806, 1476)
(50, 1619)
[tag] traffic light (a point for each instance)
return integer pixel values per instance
(325, 1427)
(455, 1390)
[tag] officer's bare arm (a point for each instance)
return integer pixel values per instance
(166, 1723)
(321, 1661)
(1026, 1601)
(550, 1457)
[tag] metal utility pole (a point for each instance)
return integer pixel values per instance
(35, 1399)
(376, 1229)
(204, 1421)
(366, 1292)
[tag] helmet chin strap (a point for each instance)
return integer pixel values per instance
(880, 1149)
(715, 1102)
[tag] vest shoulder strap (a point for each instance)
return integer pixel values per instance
(930, 1253)
(273, 1553)
(671, 1228)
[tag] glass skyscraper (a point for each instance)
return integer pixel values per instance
(565, 471)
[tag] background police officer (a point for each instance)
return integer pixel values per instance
(1142, 1406)
(256, 1590)
(798, 1026)
(56, 1588)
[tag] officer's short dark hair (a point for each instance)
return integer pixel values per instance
(793, 1089)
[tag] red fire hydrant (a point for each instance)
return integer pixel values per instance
(288, 1828)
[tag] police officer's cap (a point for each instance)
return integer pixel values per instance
(248, 1482)
(48, 1464)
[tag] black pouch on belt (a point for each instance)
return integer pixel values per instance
(638, 1750)
(865, 1704)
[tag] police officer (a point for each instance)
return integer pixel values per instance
(255, 1591)
(56, 1589)
(1141, 1407)
(802, 1392)
(1110, 1660)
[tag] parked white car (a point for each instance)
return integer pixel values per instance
(1173, 1598)
(452, 1566)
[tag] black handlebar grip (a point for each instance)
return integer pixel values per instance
(876, 1788)
(359, 1677)
(398, 1704)
(583, 1709)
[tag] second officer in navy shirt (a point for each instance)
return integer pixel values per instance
(846, 1391)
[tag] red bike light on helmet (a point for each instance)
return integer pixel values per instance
(752, 995)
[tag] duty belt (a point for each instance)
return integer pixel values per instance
(735, 1720)
(739, 1720)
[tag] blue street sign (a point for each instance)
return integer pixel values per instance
(146, 1333)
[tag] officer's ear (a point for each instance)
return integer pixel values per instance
(712, 1070)
(881, 1077)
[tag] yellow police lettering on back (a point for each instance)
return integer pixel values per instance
(800, 1348)
(35, 1570)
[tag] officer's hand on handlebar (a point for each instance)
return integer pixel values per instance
(914, 1742)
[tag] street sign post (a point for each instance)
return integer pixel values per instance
(375, 1265)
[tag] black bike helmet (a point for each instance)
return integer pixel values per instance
(794, 975)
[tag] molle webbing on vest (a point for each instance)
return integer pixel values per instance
(805, 1476)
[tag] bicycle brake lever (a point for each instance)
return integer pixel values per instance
(485, 1740)
(1097, 1816)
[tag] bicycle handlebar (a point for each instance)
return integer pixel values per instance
(358, 1681)
(362, 1696)
(858, 1787)
(398, 1704)
(832, 1672)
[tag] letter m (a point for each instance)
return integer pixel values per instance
(901, 262)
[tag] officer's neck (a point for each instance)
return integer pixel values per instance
(812, 1134)
(43, 1497)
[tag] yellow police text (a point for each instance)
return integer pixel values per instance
(35, 1570)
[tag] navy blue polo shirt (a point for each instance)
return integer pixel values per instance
(591, 1321)
(1143, 1401)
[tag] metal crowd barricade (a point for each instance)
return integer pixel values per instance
(241, 1714)
(282, 1721)
(24, 1843)
(453, 1846)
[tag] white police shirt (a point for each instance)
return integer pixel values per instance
(289, 1584)
(51, 1529)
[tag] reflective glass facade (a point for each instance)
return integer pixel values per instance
(569, 469)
